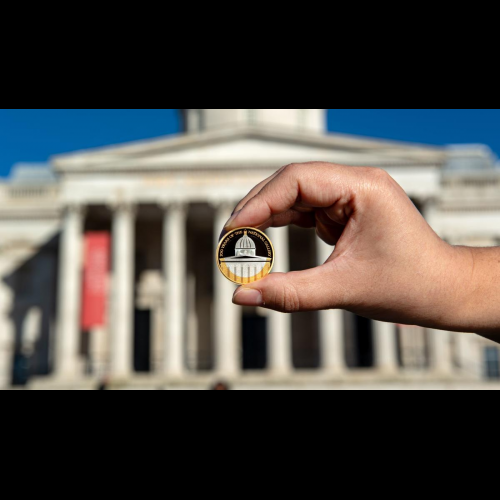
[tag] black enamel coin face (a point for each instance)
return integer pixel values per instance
(245, 255)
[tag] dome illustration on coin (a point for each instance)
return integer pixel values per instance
(247, 260)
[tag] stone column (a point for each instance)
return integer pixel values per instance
(386, 359)
(192, 348)
(122, 327)
(440, 353)
(279, 329)
(478, 361)
(31, 330)
(67, 363)
(99, 351)
(157, 352)
(6, 357)
(6, 330)
(331, 327)
(227, 317)
(468, 356)
(174, 262)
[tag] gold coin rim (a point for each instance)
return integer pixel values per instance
(239, 229)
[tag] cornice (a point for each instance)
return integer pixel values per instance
(30, 213)
(144, 149)
(193, 168)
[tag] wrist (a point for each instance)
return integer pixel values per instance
(474, 290)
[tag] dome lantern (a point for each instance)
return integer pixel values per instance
(307, 121)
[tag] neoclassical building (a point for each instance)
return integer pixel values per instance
(167, 319)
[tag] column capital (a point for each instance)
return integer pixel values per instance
(173, 205)
(223, 205)
(123, 206)
(74, 208)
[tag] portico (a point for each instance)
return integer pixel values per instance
(170, 315)
(163, 240)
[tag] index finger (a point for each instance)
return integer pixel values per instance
(315, 185)
(254, 191)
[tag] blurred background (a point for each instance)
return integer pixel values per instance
(109, 221)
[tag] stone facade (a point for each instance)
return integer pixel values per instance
(171, 321)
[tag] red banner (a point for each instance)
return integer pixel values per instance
(95, 279)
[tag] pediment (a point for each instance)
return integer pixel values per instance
(242, 148)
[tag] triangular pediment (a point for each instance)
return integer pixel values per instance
(242, 148)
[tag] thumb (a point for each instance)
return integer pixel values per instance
(310, 290)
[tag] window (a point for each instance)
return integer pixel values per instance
(492, 362)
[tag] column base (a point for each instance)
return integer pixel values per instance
(388, 372)
(60, 383)
(227, 372)
(279, 374)
(333, 373)
(120, 378)
(443, 374)
(354, 380)
(175, 376)
(73, 371)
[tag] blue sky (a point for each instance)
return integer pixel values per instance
(35, 135)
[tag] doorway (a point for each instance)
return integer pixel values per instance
(142, 341)
(254, 342)
(364, 342)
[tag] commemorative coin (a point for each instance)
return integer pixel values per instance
(245, 255)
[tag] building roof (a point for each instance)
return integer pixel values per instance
(32, 174)
(470, 158)
(227, 145)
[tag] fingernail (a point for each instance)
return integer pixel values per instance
(248, 297)
(231, 220)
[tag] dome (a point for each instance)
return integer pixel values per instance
(245, 247)
(245, 243)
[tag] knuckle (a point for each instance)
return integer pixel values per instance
(292, 168)
(282, 169)
(380, 175)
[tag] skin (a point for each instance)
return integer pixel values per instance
(388, 264)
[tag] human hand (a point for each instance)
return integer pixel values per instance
(388, 264)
